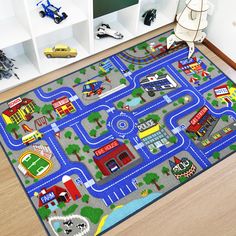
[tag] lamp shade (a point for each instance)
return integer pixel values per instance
(197, 5)
(185, 19)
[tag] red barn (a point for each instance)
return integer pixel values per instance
(71, 187)
(52, 196)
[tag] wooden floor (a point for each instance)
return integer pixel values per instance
(206, 206)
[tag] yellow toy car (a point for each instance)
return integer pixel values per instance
(60, 51)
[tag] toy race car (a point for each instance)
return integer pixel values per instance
(104, 30)
(60, 51)
(51, 11)
(149, 16)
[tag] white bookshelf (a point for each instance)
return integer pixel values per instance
(24, 34)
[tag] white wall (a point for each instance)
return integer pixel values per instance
(221, 30)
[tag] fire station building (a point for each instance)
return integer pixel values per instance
(112, 157)
(63, 106)
(19, 110)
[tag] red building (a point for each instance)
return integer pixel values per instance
(63, 106)
(71, 187)
(200, 123)
(112, 157)
(52, 196)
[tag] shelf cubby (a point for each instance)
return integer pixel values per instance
(77, 11)
(75, 36)
(13, 23)
(25, 62)
(166, 11)
(121, 21)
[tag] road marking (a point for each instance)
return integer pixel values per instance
(122, 192)
(57, 150)
(128, 188)
(56, 95)
(212, 83)
(12, 144)
(104, 202)
(116, 195)
(91, 143)
(110, 198)
(220, 144)
(175, 73)
(199, 157)
(89, 183)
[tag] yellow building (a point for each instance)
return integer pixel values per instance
(19, 112)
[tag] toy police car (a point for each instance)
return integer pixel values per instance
(104, 30)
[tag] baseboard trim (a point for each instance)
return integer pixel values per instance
(219, 53)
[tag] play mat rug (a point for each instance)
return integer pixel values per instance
(103, 142)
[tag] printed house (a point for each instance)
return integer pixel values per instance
(63, 106)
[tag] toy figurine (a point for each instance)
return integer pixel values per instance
(6, 67)
(149, 16)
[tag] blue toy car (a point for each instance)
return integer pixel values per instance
(51, 11)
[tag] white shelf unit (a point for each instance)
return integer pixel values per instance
(25, 34)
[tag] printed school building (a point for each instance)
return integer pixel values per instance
(19, 110)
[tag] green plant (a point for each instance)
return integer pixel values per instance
(93, 214)
(70, 210)
(95, 117)
(73, 149)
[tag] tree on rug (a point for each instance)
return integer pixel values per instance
(95, 117)
(73, 149)
(13, 128)
(152, 178)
